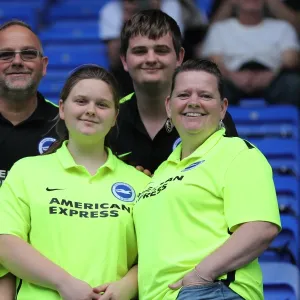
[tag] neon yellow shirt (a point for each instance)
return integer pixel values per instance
(191, 207)
(81, 222)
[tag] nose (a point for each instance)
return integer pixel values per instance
(17, 59)
(151, 57)
(194, 101)
(90, 111)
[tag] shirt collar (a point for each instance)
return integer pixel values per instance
(39, 113)
(67, 161)
(201, 150)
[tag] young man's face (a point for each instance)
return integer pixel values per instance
(151, 61)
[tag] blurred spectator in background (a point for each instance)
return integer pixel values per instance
(112, 17)
(257, 55)
(287, 10)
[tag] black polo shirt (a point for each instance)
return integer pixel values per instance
(31, 137)
(131, 136)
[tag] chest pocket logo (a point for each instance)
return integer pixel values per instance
(123, 191)
(193, 165)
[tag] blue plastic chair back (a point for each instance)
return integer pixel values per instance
(281, 281)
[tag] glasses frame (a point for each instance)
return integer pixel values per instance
(38, 54)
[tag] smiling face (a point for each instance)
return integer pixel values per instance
(150, 61)
(19, 75)
(195, 105)
(89, 110)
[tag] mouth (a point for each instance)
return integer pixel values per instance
(193, 114)
(17, 73)
(89, 121)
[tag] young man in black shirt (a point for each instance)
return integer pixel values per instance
(150, 51)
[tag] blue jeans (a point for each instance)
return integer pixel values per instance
(214, 291)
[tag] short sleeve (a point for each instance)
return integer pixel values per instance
(289, 39)
(14, 205)
(212, 43)
(249, 191)
(110, 27)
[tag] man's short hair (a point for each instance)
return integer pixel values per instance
(152, 23)
(16, 22)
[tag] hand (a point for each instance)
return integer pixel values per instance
(262, 79)
(113, 291)
(191, 278)
(145, 171)
(75, 289)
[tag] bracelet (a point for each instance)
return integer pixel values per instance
(203, 279)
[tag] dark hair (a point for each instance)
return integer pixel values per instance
(200, 65)
(81, 73)
(16, 22)
(152, 23)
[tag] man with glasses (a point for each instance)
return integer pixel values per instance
(26, 118)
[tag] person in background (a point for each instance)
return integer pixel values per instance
(68, 227)
(258, 56)
(150, 51)
(210, 209)
(110, 29)
(287, 10)
(26, 117)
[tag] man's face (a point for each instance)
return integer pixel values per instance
(251, 5)
(19, 75)
(151, 61)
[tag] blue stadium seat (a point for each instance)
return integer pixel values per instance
(276, 114)
(267, 130)
(287, 189)
(86, 10)
(281, 281)
(71, 56)
(285, 247)
(284, 167)
(252, 102)
(276, 148)
(66, 32)
(26, 14)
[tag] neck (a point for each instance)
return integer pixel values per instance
(90, 155)
(17, 110)
(151, 102)
(250, 18)
(191, 143)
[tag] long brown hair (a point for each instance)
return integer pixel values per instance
(81, 73)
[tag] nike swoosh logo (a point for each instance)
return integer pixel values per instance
(51, 190)
(124, 154)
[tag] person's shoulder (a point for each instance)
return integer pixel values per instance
(30, 163)
(128, 169)
(277, 24)
(111, 6)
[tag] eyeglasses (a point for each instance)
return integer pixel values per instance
(26, 55)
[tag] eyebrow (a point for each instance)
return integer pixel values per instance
(22, 48)
(87, 98)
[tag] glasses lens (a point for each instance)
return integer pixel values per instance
(29, 54)
(6, 55)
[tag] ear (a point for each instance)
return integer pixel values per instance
(45, 64)
(124, 63)
(168, 106)
(224, 106)
(61, 109)
(180, 57)
(116, 117)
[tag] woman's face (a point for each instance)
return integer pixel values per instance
(89, 109)
(195, 106)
